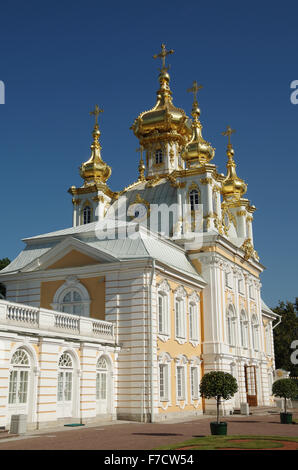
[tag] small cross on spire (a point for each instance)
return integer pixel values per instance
(96, 112)
(194, 89)
(162, 55)
(228, 134)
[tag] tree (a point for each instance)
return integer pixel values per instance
(285, 388)
(3, 263)
(284, 334)
(218, 385)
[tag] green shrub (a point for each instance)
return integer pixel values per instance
(285, 388)
(218, 385)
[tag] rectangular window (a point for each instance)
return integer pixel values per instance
(241, 286)
(13, 387)
(163, 382)
(180, 383)
(101, 386)
(180, 320)
(163, 314)
(251, 292)
(193, 322)
(194, 383)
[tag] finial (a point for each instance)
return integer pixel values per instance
(233, 187)
(194, 89)
(195, 106)
(228, 134)
(96, 112)
(141, 164)
(162, 55)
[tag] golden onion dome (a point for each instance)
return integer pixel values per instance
(197, 151)
(233, 187)
(95, 169)
(164, 117)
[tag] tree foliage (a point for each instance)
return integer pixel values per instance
(284, 334)
(285, 388)
(218, 385)
(3, 263)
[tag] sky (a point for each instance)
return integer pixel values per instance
(58, 59)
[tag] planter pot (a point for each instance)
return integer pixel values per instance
(286, 418)
(218, 429)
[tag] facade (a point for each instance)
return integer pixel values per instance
(120, 315)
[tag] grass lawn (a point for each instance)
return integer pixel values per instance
(226, 442)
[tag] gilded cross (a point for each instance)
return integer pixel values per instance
(163, 54)
(194, 89)
(228, 134)
(96, 112)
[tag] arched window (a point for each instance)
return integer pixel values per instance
(101, 379)
(72, 297)
(87, 215)
(255, 332)
(180, 314)
(72, 303)
(194, 199)
(19, 378)
(65, 376)
(158, 156)
(243, 329)
(230, 326)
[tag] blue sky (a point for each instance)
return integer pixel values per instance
(57, 59)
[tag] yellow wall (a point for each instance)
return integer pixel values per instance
(175, 349)
(72, 259)
(95, 287)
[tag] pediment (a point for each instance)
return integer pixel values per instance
(69, 253)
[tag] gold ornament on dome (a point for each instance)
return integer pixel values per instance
(197, 151)
(142, 167)
(164, 122)
(233, 188)
(95, 169)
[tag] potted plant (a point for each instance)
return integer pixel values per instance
(285, 388)
(221, 386)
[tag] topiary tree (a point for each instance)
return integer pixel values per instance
(285, 388)
(218, 385)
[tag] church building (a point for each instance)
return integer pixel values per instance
(120, 315)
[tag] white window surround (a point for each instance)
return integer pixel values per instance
(255, 332)
(194, 329)
(243, 329)
(229, 279)
(163, 310)
(195, 363)
(241, 286)
(165, 360)
(194, 383)
(251, 290)
(231, 326)
(72, 284)
(180, 314)
(181, 380)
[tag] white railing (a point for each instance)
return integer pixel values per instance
(23, 317)
(66, 321)
(103, 328)
(21, 313)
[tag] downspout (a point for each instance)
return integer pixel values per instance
(279, 321)
(150, 297)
